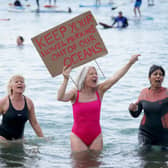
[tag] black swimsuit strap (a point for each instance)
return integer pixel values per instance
(10, 103)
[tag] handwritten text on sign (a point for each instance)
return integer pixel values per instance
(72, 43)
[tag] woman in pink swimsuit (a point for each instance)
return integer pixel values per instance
(86, 101)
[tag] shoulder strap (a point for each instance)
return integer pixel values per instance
(98, 97)
(10, 103)
(77, 97)
(25, 106)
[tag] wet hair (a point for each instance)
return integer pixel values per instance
(120, 12)
(82, 76)
(21, 38)
(10, 83)
(153, 68)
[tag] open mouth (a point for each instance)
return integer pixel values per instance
(20, 87)
(158, 81)
(94, 80)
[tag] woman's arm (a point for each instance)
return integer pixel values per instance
(32, 118)
(4, 105)
(1, 106)
(61, 95)
(103, 87)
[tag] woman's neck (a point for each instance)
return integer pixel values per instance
(155, 89)
(88, 91)
(16, 97)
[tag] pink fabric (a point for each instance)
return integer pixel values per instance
(87, 119)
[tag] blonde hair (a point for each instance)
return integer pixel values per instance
(10, 83)
(82, 76)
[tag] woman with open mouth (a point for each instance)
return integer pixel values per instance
(16, 109)
(86, 101)
(153, 101)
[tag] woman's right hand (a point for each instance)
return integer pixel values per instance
(133, 107)
(134, 58)
(66, 72)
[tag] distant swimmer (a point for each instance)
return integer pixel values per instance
(86, 99)
(20, 41)
(54, 2)
(120, 20)
(110, 2)
(137, 6)
(150, 2)
(17, 3)
(153, 102)
(98, 2)
(38, 4)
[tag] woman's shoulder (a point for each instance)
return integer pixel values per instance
(4, 100)
(28, 101)
(4, 104)
(165, 88)
(145, 90)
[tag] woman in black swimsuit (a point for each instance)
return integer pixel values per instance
(153, 101)
(16, 109)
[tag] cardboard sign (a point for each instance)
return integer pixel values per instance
(72, 43)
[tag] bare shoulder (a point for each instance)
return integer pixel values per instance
(4, 104)
(29, 102)
(3, 100)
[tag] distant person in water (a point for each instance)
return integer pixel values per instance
(150, 2)
(120, 20)
(38, 4)
(98, 2)
(17, 3)
(54, 2)
(137, 6)
(19, 40)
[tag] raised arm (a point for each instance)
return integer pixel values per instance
(61, 95)
(103, 87)
(32, 118)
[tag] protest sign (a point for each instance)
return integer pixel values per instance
(72, 43)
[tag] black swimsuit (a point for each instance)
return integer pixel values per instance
(153, 129)
(13, 122)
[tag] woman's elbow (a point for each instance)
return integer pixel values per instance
(134, 114)
(59, 98)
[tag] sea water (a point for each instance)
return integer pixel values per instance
(148, 37)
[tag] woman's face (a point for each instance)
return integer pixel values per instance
(156, 78)
(91, 78)
(18, 85)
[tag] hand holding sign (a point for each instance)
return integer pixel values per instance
(72, 43)
(66, 71)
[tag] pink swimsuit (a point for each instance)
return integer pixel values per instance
(87, 119)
